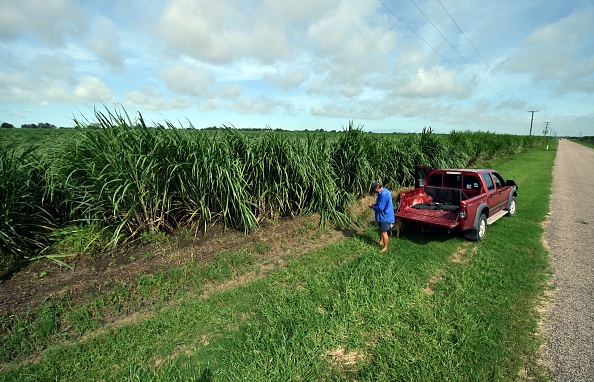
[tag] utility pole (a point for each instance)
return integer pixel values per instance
(532, 119)
(545, 130)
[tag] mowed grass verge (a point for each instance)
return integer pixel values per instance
(434, 307)
(587, 144)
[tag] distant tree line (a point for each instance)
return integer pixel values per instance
(41, 125)
(588, 139)
(266, 129)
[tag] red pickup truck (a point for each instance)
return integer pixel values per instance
(466, 200)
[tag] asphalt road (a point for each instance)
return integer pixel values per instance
(569, 325)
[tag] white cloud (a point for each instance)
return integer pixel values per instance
(48, 20)
(49, 78)
(346, 31)
(229, 91)
(315, 87)
(180, 103)
(512, 104)
(288, 80)
(11, 20)
(262, 105)
(223, 32)
(45, 77)
(211, 104)
(435, 82)
(335, 59)
(92, 89)
(350, 50)
(329, 110)
(13, 88)
(56, 92)
(297, 12)
(147, 98)
(185, 79)
(350, 90)
(558, 54)
(105, 42)
(51, 67)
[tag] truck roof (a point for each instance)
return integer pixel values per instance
(473, 170)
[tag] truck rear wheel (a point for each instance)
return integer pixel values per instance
(481, 230)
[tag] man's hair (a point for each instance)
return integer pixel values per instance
(375, 186)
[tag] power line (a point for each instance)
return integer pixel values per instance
(456, 50)
(473, 47)
(429, 45)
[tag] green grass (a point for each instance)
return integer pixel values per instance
(583, 142)
(344, 312)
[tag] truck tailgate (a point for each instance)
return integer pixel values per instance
(436, 218)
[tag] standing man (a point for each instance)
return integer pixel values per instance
(384, 212)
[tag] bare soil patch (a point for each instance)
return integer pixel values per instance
(41, 280)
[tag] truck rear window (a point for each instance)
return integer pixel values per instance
(452, 180)
(435, 180)
(471, 182)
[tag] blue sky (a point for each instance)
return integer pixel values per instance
(390, 66)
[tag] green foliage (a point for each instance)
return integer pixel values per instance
(134, 180)
(118, 175)
(478, 322)
(352, 160)
(25, 223)
(434, 307)
(81, 239)
(151, 237)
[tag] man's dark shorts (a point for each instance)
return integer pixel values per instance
(384, 227)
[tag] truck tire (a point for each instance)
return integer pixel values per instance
(511, 210)
(481, 230)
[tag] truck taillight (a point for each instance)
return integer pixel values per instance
(462, 213)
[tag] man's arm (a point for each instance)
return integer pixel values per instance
(381, 203)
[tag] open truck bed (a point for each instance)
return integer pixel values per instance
(459, 199)
(436, 218)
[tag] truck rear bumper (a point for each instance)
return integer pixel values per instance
(437, 218)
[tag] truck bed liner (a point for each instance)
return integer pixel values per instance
(438, 218)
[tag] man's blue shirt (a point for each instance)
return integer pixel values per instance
(384, 210)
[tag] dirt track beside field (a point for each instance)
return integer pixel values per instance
(569, 324)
